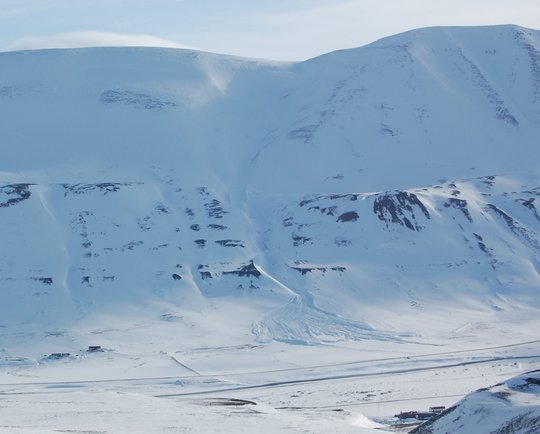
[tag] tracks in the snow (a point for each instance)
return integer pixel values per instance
(346, 376)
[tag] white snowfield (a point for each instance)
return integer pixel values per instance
(255, 245)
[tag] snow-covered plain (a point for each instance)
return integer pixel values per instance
(331, 242)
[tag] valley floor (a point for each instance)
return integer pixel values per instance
(353, 387)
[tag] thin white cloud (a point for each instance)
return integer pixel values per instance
(82, 39)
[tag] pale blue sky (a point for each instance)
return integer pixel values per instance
(274, 29)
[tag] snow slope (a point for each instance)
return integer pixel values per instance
(387, 192)
(509, 407)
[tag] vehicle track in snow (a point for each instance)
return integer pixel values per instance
(346, 376)
(382, 359)
(303, 368)
(362, 403)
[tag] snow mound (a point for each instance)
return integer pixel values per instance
(509, 407)
(362, 421)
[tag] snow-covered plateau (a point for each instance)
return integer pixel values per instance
(253, 245)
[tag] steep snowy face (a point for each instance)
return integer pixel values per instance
(112, 109)
(303, 202)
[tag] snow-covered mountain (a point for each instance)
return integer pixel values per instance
(386, 192)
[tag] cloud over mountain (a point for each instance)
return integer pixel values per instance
(80, 39)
